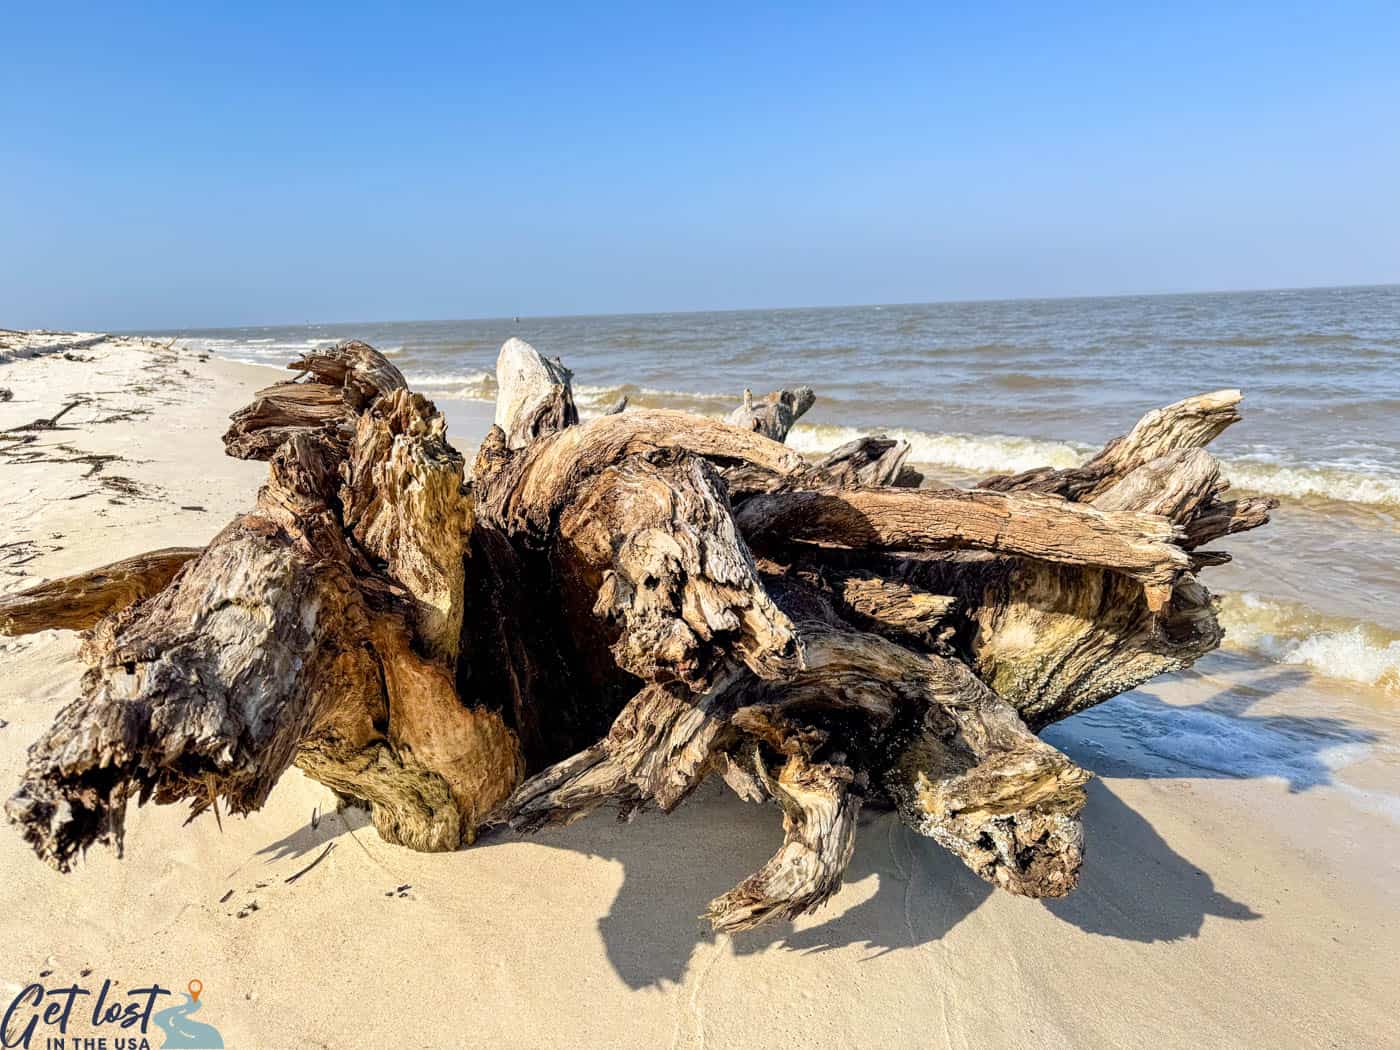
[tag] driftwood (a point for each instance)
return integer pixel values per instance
(533, 395)
(608, 612)
(1188, 424)
(773, 416)
(76, 603)
(870, 460)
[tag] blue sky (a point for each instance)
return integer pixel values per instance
(198, 165)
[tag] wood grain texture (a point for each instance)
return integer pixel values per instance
(320, 627)
(610, 611)
(1143, 546)
(869, 460)
(78, 602)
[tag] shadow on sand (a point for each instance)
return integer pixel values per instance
(1134, 887)
(308, 839)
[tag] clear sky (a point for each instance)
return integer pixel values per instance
(192, 164)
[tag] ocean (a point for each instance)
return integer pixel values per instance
(988, 387)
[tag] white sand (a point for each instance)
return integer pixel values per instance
(1214, 911)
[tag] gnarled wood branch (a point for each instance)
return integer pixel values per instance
(76, 603)
(1193, 422)
(586, 624)
(870, 460)
(819, 836)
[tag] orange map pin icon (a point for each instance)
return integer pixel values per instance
(195, 988)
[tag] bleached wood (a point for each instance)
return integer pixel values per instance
(1193, 422)
(534, 395)
(872, 460)
(773, 415)
(586, 623)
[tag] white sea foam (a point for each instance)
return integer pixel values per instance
(591, 400)
(1300, 482)
(604, 396)
(998, 453)
(975, 453)
(482, 385)
(1290, 633)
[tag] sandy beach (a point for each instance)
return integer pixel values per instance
(1246, 898)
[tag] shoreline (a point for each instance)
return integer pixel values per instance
(1291, 586)
(1271, 610)
(1369, 487)
(1221, 903)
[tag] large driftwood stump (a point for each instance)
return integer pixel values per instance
(610, 611)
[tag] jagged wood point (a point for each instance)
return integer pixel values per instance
(607, 612)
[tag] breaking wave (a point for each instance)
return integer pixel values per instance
(591, 400)
(594, 399)
(1299, 482)
(1290, 633)
(974, 453)
(460, 386)
(999, 453)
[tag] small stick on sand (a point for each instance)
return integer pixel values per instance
(293, 878)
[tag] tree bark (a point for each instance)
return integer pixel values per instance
(611, 611)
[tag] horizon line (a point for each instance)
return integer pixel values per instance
(759, 309)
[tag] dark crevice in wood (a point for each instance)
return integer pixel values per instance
(611, 611)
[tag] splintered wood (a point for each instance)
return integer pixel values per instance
(608, 612)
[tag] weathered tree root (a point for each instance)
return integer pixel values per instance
(76, 603)
(620, 608)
